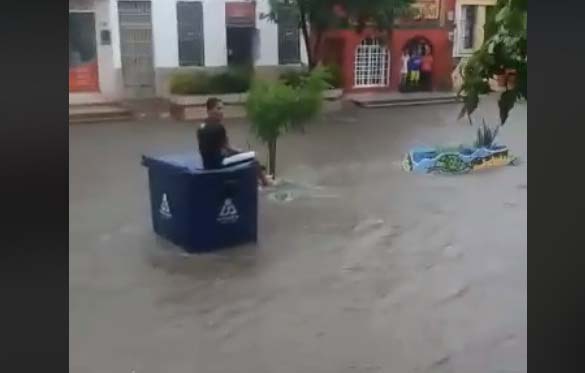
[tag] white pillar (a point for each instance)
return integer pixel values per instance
(115, 34)
(268, 36)
(164, 33)
(214, 33)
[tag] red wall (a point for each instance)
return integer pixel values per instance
(442, 55)
(351, 40)
(438, 37)
(398, 38)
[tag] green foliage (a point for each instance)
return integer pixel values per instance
(188, 83)
(331, 74)
(335, 78)
(451, 164)
(275, 108)
(201, 83)
(504, 50)
(380, 13)
(233, 81)
(293, 78)
(322, 15)
(485, 136)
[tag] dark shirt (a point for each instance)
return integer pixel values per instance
(212, 139)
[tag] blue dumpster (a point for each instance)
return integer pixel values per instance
(202, 210)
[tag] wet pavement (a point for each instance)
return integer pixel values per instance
(360, 268)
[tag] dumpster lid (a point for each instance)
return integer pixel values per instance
(188, 162)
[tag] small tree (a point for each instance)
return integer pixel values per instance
(505, 49)
(317, 16)
(275, 108)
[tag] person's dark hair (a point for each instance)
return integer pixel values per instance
(212, 103)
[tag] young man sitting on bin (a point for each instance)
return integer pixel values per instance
(214, 144)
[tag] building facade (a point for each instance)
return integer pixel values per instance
(372, 59)
(470, 19)
(122, 49)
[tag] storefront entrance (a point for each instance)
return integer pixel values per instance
(241, 33)
(417, 65)
(83, 65)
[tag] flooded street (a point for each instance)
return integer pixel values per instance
(361, 267)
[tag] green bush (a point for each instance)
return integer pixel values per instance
(332, 75)
(335, 78)
(203, 83)
(293, 78)
(233, 81)
(277, 107)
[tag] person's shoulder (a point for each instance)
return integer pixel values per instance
(208, 125)
(212, 123)
(202, 127)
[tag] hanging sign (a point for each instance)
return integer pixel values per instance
(427, 9)
(240, 14)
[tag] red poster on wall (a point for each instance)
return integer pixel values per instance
(84, 77)
(83, 67)
(239, 14)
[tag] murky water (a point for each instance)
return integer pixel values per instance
(360, 267)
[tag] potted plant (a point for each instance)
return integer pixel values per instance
(511, 78)
(501, 77)
(484, 153)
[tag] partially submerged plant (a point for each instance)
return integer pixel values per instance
(486, 136)
(504, 49)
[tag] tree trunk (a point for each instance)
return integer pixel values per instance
(317, 47)
(272, 158)
(306, 35)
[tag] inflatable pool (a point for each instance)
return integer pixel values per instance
(456, 160)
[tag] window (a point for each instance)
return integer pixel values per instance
(288, 38)
(467, 26)
(490, 13)
(372, 64)
(190, 33)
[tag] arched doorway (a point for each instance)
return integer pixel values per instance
(417, 65)
(372, 64)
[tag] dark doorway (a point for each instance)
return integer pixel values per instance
(83, 64)
(417, 65)
(240, 20)
(240, 46)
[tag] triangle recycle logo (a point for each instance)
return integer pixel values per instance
(165, 209)
(228, 212)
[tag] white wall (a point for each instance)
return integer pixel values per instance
(115, 34)
(165, 43)
(304, 57)
(214, 33)
(104, 52)
(164, 33)
(268, 32)
(165, 38)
